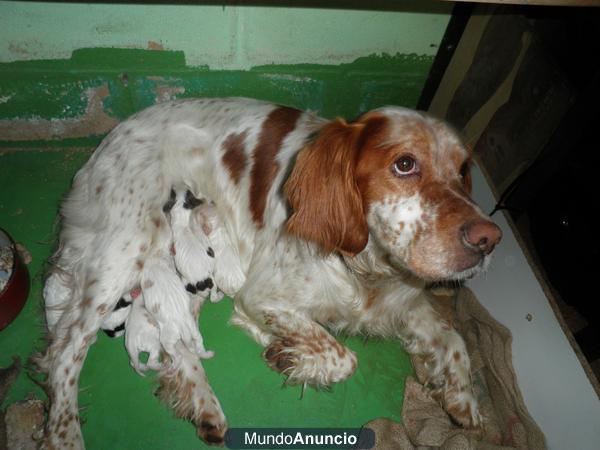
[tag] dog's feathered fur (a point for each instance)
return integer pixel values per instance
(329, 225)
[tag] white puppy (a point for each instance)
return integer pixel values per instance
(168, 303)
(228, 273)
(193, 254)
(142, 335)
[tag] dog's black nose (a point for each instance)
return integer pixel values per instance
(482, 234)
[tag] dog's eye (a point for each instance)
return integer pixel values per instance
(405, 165)
(464, 169)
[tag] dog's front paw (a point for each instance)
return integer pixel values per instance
(317, 364)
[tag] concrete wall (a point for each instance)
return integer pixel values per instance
(220, 37)
(69, 72)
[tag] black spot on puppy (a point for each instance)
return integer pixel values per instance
(190, 201)
(122, 303)
(191, 288)
(113, 332)
(210, 252)
(204, 284)
(170, 203)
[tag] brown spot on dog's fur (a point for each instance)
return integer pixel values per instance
(340, 349)
(148, 284)
(278, 124)
(371, 298)
(234, 157)
(139, 264)
(88, 339)
(197, 152)
(86, 302)
(269, 319)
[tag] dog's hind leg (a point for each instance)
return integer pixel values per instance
(187, 391)
(57, 294)
(99, 290)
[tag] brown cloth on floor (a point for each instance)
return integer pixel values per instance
(507, 424)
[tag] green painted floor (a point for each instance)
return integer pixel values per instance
(121, 411)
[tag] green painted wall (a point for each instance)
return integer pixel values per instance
(69, 72)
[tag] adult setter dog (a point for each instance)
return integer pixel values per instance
(329, 226)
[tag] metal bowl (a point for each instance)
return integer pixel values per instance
(16, 284)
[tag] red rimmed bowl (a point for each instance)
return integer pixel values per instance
(15, 278)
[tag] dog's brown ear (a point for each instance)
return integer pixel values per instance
(326, 202)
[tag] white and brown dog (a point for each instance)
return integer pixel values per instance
(328, 225)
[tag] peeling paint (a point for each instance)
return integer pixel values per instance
(288, 78)
(94, 121)
(82, 98)
(152, 45)
(165, 93)
(25, 48)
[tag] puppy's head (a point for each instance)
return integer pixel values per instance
(399, 178)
